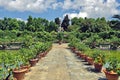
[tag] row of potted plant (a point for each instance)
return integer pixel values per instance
(16, 64)
(99, 60)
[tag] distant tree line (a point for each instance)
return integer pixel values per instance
(79, 24)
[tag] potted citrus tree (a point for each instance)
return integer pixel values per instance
(82, 47)
(25, 56)
(19, 72)
(99, 60)
(89, 54)
(112, 69)
(33, 59)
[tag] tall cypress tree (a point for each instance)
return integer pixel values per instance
(65, 23)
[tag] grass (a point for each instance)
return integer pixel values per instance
(108, 53)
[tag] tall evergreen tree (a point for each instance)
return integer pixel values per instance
(65, 23)
(57, 21)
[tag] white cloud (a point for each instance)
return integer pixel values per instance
(57, 5)
(92, 8)
(72, 15)
(89, 8)
(27, 5)
(20, 19)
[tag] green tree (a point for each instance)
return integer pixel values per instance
(31, 28)
(57, 21)
(115, 24)
(2, 26)
(76, 21)
(13, 24)
(22, 25)
(6, 23)
(65, 23)
(52, 27)
(29, 21)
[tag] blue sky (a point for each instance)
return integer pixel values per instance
(51, 9)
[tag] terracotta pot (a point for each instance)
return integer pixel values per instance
(98, 66)
(74, 49)
(19, 74)
(44, 54)
(26, 67)
(111, 76)
(83, 56)
(71, 48)
(39, 56)
(14, 79)
(33, 62)
(60, 42)
(77, 53)
(90, 60)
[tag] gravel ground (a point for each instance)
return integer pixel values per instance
(61, 64)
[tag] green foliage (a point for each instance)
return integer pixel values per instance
(65, 23)
(57, 21)
(83, 36)
(10, 60)
(78, 45)
(113, 64)
(73, 41)
(28, 41)
(104, 35)
(73, 28)
(52, 27)
(60, 36)
(81, 46)
(99, 56)
(44, 36)
(91, 25)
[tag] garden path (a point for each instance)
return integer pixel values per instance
(61, 64)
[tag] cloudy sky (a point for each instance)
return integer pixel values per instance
(51, 9)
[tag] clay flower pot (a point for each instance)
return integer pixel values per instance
(98, 67)
(33, 62)
(26, 67)
(44, 54)
(74, 49)
(90, 60)
(83, 56)
(111, 75)
(39, 56)
(71, 48)
(60, 42)
(77, 53)
(19, 74)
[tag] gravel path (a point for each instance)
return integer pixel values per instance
(61, 64)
